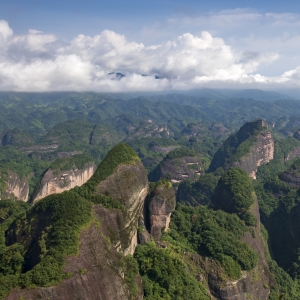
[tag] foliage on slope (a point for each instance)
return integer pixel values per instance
(234, 191)
(165, 275)
(199, 192)
(14, 160)
(120, 154)
(237, 145)
(77, 161)
(214, 234)
(56, 221)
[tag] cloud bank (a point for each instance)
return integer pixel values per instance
(41, 62)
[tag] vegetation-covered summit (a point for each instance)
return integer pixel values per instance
(234, 191)
(237, 145)
(120, 154)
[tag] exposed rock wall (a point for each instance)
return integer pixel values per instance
(290, 179)
(261, 153)
(177, 169)
(292, 154)
(97, 270)
(252, 285)
(56, 182)
(16, 188)
(249, 148)
(161, 204)
(129, 185)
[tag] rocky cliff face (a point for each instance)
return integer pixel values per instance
(252, 285)
(16, 188)
(261, 153)
(251, 147)
(56, 181)
(295, 152)
(161, 204)
(291, 176)
(129, 185)
(97, 272)
(177, 169)
(100, 269)
(290, 179)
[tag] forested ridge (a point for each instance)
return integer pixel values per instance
(221, 214)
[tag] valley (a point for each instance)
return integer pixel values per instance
(128, 196)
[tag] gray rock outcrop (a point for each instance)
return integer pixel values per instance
(129, 185)
(249, 148)
(161, 204)
(56, 181)
(17, 189)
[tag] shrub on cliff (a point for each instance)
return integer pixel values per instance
(234, 192)
(56, 222)
(165, 276)
(120, 154)
(198, 192)
(237, 145)
(74, 161)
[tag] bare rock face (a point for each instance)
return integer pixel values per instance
(291, 176)
(129, 185)
(252, 285)
(249, 148)
(143, 234)
(56, 182)
(261, 153)
(290, 179)
(17, 188)
(292, 154)
(161, 204)
(178, 169)
(97, 270)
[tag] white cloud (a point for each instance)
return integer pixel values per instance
(5, 32)
(40, 62)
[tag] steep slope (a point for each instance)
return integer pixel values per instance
(160, 205)
(13, 187)
(178, 165)
(64, 174)
(128, 185)
(15, 137)
(235, 194)
(292, 175)
(46, 239)
(249, 148)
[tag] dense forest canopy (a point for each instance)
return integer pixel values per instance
(179, 135)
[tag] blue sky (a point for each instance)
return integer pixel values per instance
(66, 18)
(63, 45)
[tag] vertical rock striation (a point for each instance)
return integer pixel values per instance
(128, 185)
(56, 181)
(17, 188)
(251, 147)
(261, 153)
(161, 204)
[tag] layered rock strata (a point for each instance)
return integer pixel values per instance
(56, 181)
(178, 169)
